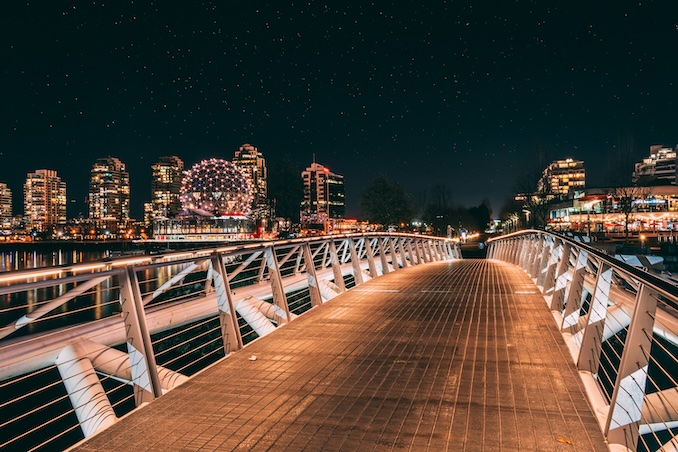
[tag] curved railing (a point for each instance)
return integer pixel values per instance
(82, 345)
(621, 326)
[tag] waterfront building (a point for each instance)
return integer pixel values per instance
(109, 194)
(166, 186)
(562, 177)
(5, 207)
(324, 198)
(602, 210)
(657, 169)
(251, 162)
(44, 199)
(216, 198)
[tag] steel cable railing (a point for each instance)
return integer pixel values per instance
(621, 326)
(66, 372)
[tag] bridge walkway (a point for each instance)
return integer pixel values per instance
(447, 356)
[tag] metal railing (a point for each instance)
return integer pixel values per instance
(82, 345)
(621, 326)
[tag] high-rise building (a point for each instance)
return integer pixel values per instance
(44, 199)
(165, 187)
(324, 197)
(658, 169)
(109, 191)
(562, 177)
(5, 207)
(252, 163)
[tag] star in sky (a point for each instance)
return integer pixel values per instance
(459, 93)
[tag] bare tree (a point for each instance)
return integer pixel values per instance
(620, 167)
(536, 197)
(625, 197)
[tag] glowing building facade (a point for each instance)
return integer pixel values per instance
(109, 194)
(562, 177)
(324, 198)
(253, 165)
(657, 169)
(44, 199)
(166, 186)
(5, 207)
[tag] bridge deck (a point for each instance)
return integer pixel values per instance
(447, 356)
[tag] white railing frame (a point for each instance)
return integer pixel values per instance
(558, 265)
(360, 255)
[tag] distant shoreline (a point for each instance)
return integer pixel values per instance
(69, 244)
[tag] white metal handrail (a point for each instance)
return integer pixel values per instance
(80, 345)
(621, 327)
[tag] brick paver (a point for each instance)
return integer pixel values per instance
(445, 356)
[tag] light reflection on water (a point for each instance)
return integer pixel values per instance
(97, 303)
(12, 260)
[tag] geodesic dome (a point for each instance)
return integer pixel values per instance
(218, 187)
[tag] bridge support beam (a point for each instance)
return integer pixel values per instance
(589, 354)
(370, 257)
(382, 256)
(560, 279)
(336, 267)
(575, 295)
(402, 251)
(142, 359)
(626, 403)
(230, 330)
(279, 297)
(87, 395)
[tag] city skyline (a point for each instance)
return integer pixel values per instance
(444, 93)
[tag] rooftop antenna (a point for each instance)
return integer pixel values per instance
(314, 158)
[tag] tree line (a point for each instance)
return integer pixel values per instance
(384, 202)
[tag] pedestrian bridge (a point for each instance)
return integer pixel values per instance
(362, 342)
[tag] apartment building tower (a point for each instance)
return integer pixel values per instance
(165, 187)
(44, 199)
(109, 191)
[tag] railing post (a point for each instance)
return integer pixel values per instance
(139, 347)
(547, 252)
(395, 256)
(355, 262)
(370, 257)
(312, 277)
(382, 257)
(574, 296)
(230, 330)
(425, 250)
(520, 255)
(420, 251)
(525, 247)
(279, 297)
(440, 250)
(411, 252)
(336, 267)
(433, 246)
(549, 275)
(401, 250)
(589, 354)
(535, 258)
(428, 249)
(560, 281)
(628, 395)
(496, 248)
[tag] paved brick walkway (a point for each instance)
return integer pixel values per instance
(447, 356)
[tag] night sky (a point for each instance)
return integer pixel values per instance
(465, 93)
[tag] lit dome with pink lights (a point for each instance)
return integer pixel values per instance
(218, 187)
